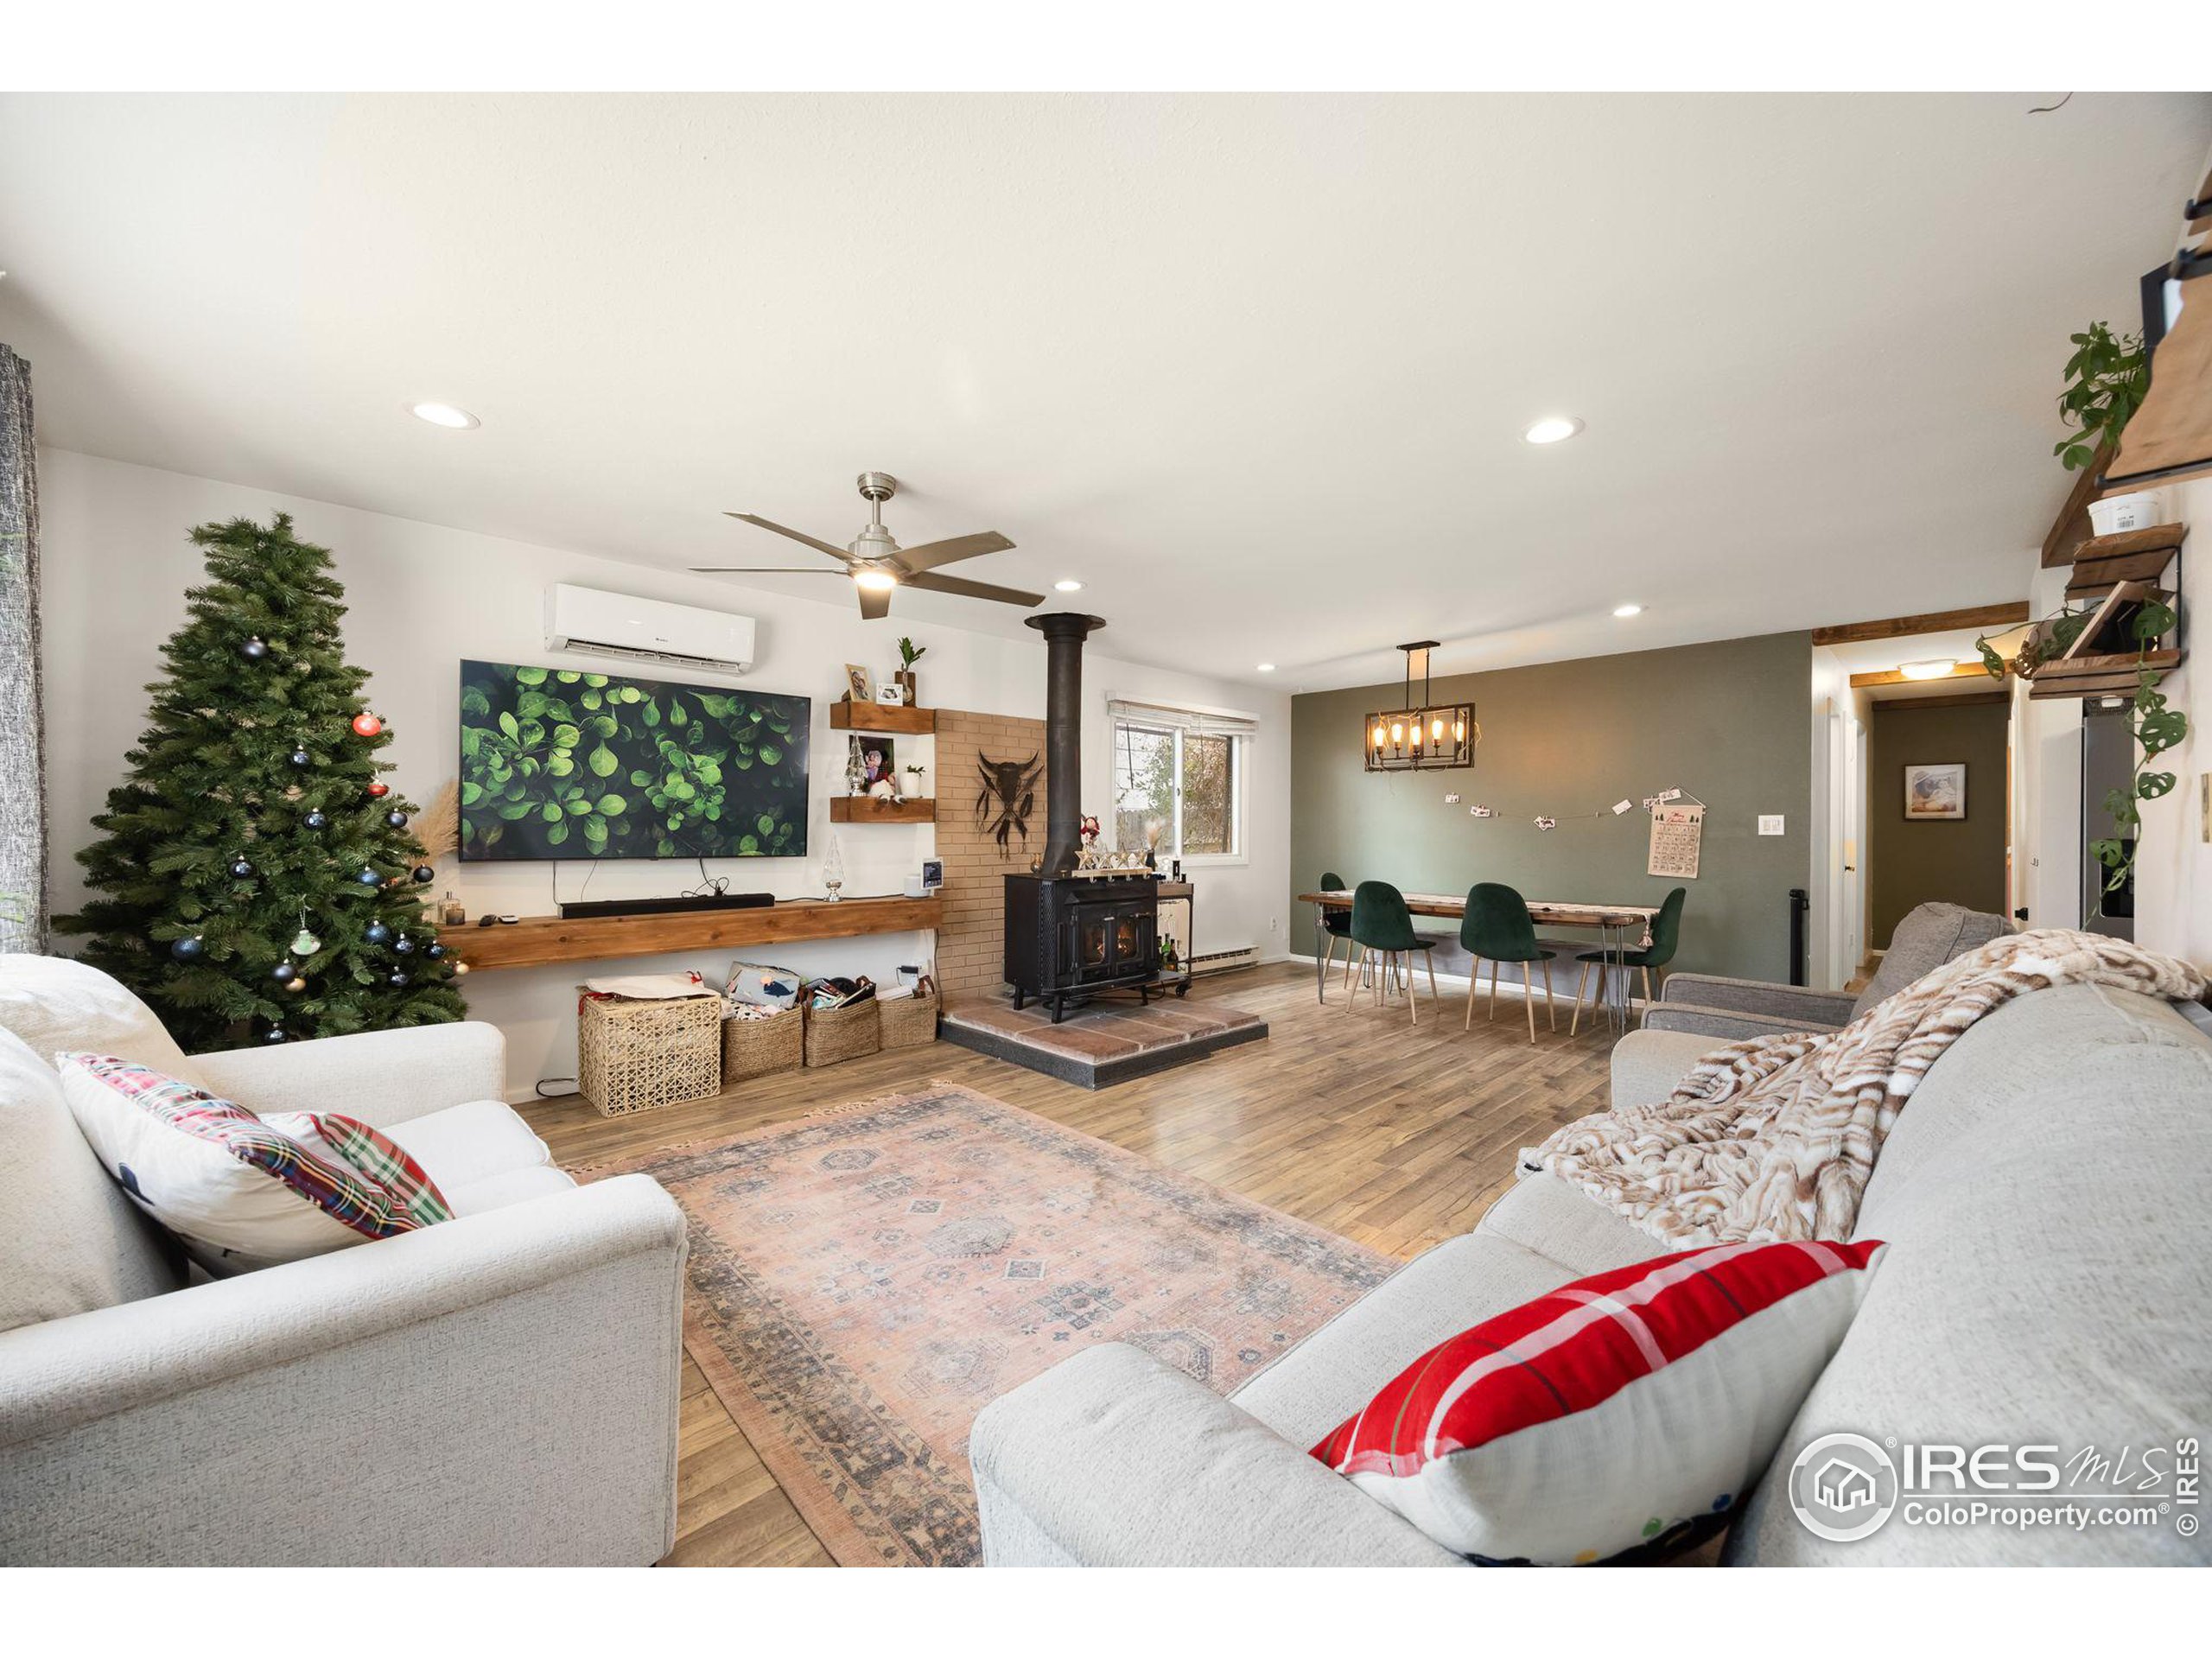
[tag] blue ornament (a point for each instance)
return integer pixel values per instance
(398, 980)
(256, 647)
(241, 868)
(402, 944)
(368, 878)
(191, 948)
(301, 758)
(377, 933)
(434, 951)
(274, 1034)
(314, 820)
(396, 818)
(425, 873)
(284, 970)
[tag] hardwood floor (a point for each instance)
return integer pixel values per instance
(1395, 1135)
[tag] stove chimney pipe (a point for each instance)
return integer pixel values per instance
(1064, 633)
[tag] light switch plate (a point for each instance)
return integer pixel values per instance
(1770, 823)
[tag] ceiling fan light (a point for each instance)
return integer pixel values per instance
(876, 582)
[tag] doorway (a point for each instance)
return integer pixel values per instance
(2108, 763)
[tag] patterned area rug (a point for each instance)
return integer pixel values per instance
(862, 1284)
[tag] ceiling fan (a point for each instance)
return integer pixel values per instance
(877, 564)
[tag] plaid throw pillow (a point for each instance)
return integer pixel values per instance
(1624, 1414)
(242, 1191)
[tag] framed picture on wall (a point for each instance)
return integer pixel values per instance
(1935, 793)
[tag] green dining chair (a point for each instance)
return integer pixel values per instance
(1336, 923)
(1382, 927)
(1497, 928)
(1666, 933)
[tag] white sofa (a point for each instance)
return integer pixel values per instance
(500, 1388)
(2047, 1195)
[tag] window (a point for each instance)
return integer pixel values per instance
(1179, 781)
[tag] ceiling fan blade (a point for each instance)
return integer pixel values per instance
(766, 570)
(838, 553)
(929, 555)
(972, 589)
(875, 603)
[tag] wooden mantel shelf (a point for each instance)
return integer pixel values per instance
(846, 716)
(536, 941)
(872, 809)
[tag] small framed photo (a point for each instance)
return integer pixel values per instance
(891, 695)
(858, 686)
(1935, 793)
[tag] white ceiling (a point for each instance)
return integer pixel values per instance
(1253, 368)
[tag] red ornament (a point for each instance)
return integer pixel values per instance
(378, 792)
(368, 724)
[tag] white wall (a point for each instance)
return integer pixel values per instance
(116, 563)
(2173, 872)
(2047, 787)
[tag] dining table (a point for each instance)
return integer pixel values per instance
(1613, 924)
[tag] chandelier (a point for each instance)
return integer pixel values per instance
(1422, 736)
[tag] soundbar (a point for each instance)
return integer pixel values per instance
(573, 909)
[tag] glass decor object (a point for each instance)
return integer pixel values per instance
(1422, 735)
(833, 870)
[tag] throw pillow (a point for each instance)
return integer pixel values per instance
(240, 1191)
(1621, 1415)
(54, 1003)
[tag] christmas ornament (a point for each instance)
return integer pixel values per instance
(434, 951)
(367, 877)
(314, 820)
(367, 724)
(305, 943)
(284, 970)
(377, 933)
(403, 944)
(425, 873)
(191, 948)
(255, 647)
(378, 792)
(396, 980)
(295, 984)
(301, 758)
(274, 1034)
(396, 818)
(459, 966)
(241, 868)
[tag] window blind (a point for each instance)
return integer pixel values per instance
(1196, 721)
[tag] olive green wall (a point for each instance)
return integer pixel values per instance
(1958, 859)
(1730, 723)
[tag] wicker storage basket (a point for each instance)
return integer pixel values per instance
(908, 1020)
(759, 1048)
(635, 1054)
(846, 1033)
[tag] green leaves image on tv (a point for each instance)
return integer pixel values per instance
(564, 763)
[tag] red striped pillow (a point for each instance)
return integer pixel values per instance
(1624, 1412)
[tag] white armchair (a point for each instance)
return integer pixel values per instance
(500, 1388)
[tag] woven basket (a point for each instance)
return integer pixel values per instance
(635, 1055)
(846, 1033)
(759, 1048)
(908, 1020)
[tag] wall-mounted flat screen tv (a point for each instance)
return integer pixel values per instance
(559, 763)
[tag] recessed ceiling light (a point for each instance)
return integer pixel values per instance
(1552, 428)
(876, 582)
(1069, 585)
(446, 415)
(1267, 667)
(1628, 610)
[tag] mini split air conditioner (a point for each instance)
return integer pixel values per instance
(616, 625)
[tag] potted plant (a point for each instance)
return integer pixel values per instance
(914, 771)
(909, 654)
(2106, 380)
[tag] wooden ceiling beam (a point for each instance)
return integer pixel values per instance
(1947, 700)
(1896, 676)
(1896, 627)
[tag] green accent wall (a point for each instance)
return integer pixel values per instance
(1961, 860)
(1730, 723)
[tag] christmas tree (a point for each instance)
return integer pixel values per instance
(260, 882)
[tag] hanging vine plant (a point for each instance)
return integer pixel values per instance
(2106, 380)
(2154, 723)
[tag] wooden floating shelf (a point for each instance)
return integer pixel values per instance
(2103, 561)
(866, 809)
(894, 719)
(536, 941)
(2095, 676)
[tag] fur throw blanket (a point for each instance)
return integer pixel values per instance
(1773, 1138)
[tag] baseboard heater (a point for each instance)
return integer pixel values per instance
(1220, 962)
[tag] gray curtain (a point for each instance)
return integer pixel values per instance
(22, 784)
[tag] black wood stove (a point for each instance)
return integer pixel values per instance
(1069, 937)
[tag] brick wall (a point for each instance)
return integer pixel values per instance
(971, 940)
